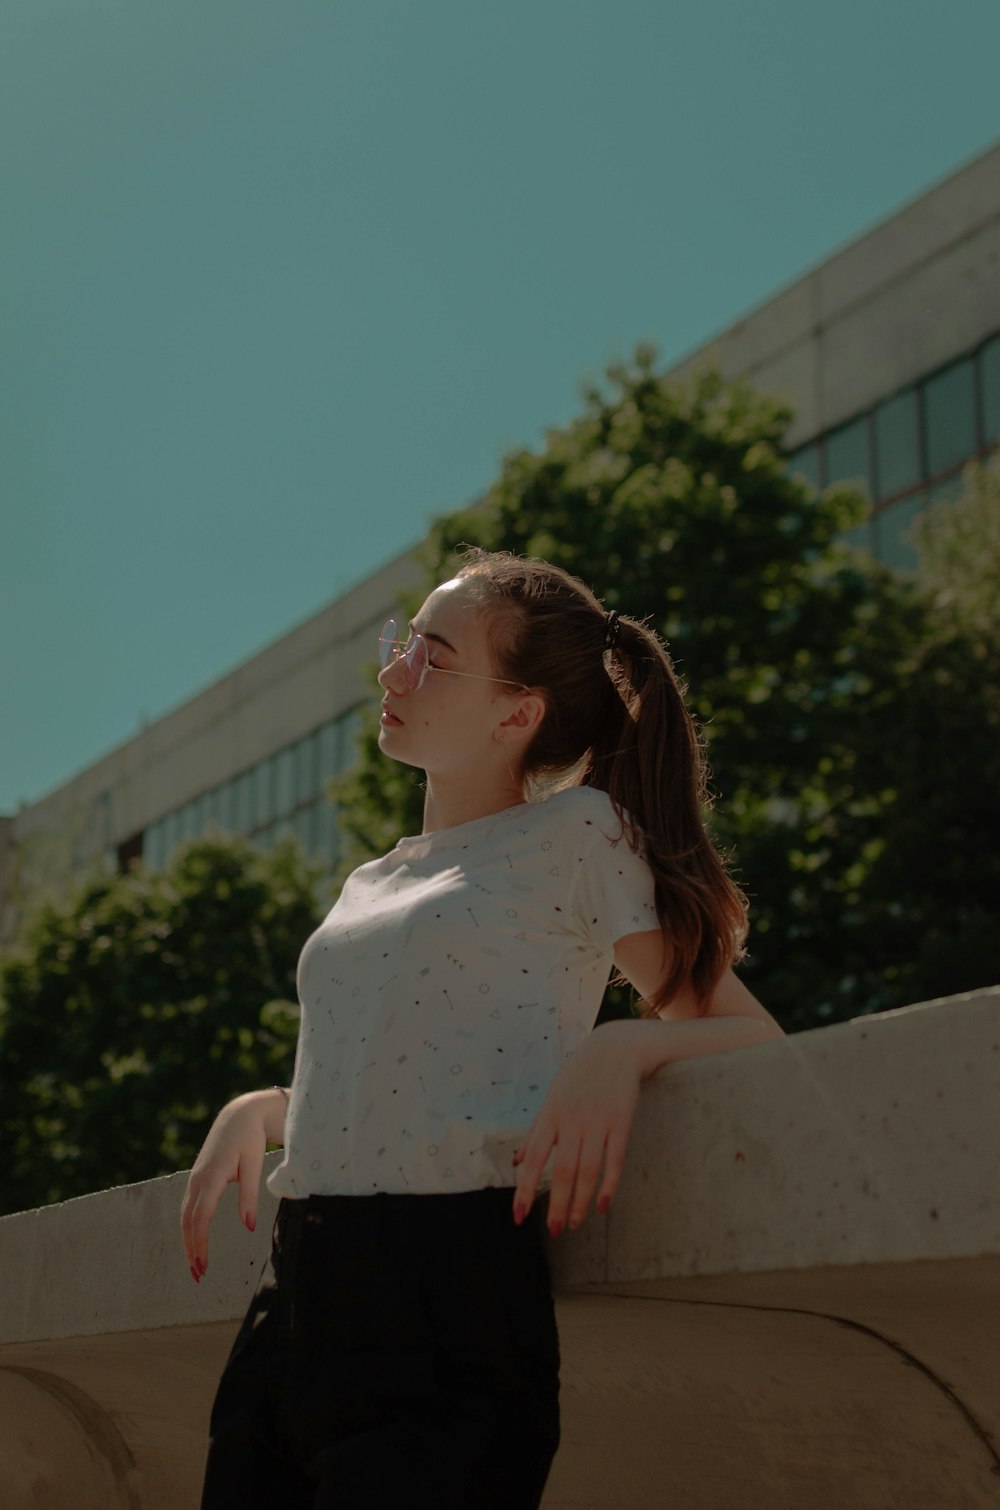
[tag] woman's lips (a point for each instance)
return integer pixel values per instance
(389, 719)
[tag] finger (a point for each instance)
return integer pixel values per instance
(536, 1151)
(614, 1162)
(251, 1165)
(202, 1212)
(187, 1221)
(563, 1179)
(588, 1172)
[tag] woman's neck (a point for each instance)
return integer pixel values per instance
(447, 809)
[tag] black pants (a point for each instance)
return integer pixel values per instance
(400, 1350)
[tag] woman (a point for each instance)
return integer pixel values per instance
(401, 1347)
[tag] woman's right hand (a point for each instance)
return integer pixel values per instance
(232, 1153)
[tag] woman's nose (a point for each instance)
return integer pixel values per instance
(392, 677)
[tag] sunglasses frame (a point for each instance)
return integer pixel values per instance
(392, 649)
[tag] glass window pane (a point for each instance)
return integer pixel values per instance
(212, 808)
(227, 807)
(171, 833)
(305, 824)
(286, 794)
(328, 744)
(309, 767)
(897, 450)
(244, 802)
(989, 384)
(152, 845)
(847, 454)
(326, 835)
(892, 527)
(950, 417)
(861, 537)
(804, 463)
(263, 789)
(350, 727)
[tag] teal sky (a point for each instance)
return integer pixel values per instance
(280, 281)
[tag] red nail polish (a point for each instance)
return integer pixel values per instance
(556, 1228)
(603, 1204)
(518, 1213)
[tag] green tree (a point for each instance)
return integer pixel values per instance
(934, 892)
(674, 502)
(131, 1015)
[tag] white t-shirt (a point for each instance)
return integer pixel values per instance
(446, 988)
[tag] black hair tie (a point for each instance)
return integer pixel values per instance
(612, 631)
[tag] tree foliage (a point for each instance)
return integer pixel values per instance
(935, 889)
(814, 671)
(131, 1015)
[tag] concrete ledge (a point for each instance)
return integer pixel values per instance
(793, 1302)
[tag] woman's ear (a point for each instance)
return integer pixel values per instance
(528, 714)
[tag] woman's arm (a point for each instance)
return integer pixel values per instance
(232, 1153)
(587, 1115)
(735, 1018)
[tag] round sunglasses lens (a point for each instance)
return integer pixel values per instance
(387, 643)
(415, 659)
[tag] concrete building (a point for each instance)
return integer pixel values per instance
(889, 352)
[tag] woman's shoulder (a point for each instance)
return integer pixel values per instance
(584, 806)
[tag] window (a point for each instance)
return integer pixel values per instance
(848, 454)
(263, 791)
(244, 802)
(153, 847)
(211, 809)
(227, 807)
(286, 794)
(328, 746)
(305, 828)
(892, 533)
(896, 446)
(804, 463)
(326, 835)
(309, 767)
(187, 819)
(861, 537)
(950, 417)
(171, 834)
(349, 729)
(989, 389)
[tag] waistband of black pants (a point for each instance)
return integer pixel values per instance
(318, 1209)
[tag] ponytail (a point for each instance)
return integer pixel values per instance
(616, 719)
(648, 756)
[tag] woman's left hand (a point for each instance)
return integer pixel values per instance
(586, 1116)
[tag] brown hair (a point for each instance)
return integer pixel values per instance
(616, 719)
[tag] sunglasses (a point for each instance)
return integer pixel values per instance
(416, 660)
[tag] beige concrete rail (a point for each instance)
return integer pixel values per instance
(794, 1303)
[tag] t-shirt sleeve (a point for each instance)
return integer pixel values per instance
(615, 891)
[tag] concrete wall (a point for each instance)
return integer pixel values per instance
(793, 1302)
(905, 298)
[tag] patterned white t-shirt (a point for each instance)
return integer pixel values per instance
(444, 991)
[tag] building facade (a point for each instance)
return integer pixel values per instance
(889, 352)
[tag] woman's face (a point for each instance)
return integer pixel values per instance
(448, 724)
